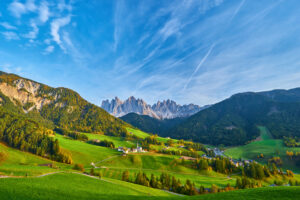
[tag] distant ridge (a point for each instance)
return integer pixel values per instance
(166, 109)
(234, 121)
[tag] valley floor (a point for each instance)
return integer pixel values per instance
(29, 176)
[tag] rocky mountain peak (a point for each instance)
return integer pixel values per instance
(165, 109)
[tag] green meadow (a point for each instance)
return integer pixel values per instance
(67, 186)
(83, 152)
(72, 186)
(266, 145)
(118, 141)
(205, 179)
(26, 167)
(18, 163)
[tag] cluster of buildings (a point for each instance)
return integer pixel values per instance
(237, 163)
(126, 150)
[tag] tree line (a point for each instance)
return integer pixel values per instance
(291, 141)
(294, 156)
(164, 181)
(252, 170)
(28, 135)
(103, 143)
(71, 134)
(170, 183)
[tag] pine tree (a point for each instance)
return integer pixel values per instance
(260, 172)
(252, 171)
(238, 183)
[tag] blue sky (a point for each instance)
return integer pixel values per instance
(199, 51)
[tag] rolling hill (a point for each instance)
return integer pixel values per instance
(75, 186)
(234, 120)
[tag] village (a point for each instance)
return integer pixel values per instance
(217, 152)
(126, 150)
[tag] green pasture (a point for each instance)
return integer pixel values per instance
(264, 145)
(19, 163)
(68, 186)
(83, 152)
(72, 186)
(118, 141)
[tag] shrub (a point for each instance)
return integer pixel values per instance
(78, 167)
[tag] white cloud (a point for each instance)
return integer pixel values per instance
(44, 12)
(171, 27)
(8, 26)
(199, 65)
(47, 41)
(9, 35)
(63, 6)
(17, 9)
(49, 49)
(69, 47)
(56, 25)
(30, 5)
(35, 30)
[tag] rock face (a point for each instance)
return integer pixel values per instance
(161, 110)
(52, 107)
(24, 92)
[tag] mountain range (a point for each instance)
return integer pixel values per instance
(166, 109)
(233, 121)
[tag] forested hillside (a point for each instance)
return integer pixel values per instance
(27, 135)
(150, 124)
(60, 107)
(234, 120)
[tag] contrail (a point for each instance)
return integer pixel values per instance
(237, 10)
(199, 65)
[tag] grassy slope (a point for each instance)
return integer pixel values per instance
(73, 186)
(137, 132)
(85, 153)
(156, 164)
(142, 134)
(270, 193)
(199, 179)
(267, 146)
(114, 166)
(118, 141)
(18, 163)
